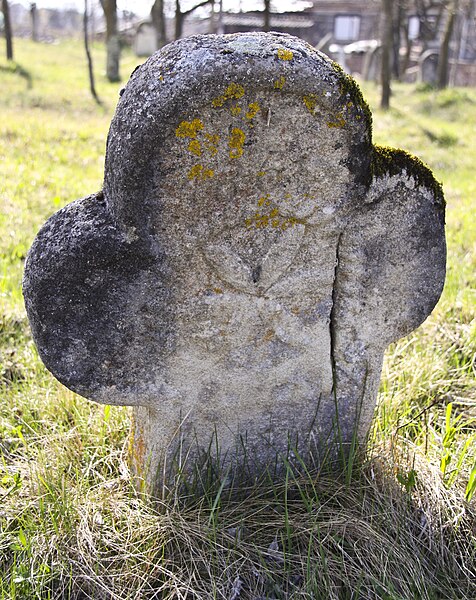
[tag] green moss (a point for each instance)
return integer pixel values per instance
(350, 89)
(393, 161)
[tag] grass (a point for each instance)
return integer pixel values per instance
(72, 525)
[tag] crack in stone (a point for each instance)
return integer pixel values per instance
(332, 334)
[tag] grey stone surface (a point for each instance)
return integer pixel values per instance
(249, 260)
(428, 67)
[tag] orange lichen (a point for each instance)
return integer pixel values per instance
(269, 335)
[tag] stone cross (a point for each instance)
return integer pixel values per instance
(248, 261)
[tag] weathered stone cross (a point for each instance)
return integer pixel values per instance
(249, 260)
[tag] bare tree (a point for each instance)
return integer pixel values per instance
(267, 15)
(157, 16)
(92, 87)
(443, 59)
(399, 18)
(112, 40)
(407, 40)
(7, 26)
(220, 28)
(180, 16)
(34, 22)
(387, 44)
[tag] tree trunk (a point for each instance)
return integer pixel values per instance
(458, 34)
(8, 29)
(180, 16)
(267, 15)
(398, 18)
(220, 28)
(158, 20)
(442, 72)
(178, 20)
(212, 27)
(387, 39)
(408, 43)
(112, 40)
(92, 87)
(34, 22)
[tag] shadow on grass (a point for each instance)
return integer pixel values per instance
(17, 69)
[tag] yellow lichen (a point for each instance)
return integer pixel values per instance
(189, 129)
(200, 173)
(235, 110)
(233, 91)
(310, 101)
(253, 110)
(260, 220)
(261, 173)
(279, 83)
(262, 200)
(285, 54)
(338, 122)
(236, 142)
(195, 148)
(211, 143)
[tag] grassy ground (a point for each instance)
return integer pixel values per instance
(401, 526)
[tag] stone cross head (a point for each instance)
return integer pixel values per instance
(247, 263)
